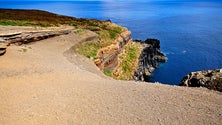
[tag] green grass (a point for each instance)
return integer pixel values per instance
(113, 32)
(33, 17)
(91, 23)
(107, 72)
(14, 23)
(24, 23)
(129, 62)
(79, 31)
(89, 49)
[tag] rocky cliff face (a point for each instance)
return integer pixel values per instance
(108, 56)
(149, 58)
(211, 79)
(127, 59)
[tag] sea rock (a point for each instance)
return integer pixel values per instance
(149, 58)
(211, 79)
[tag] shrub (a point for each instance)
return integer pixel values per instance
(107, 72)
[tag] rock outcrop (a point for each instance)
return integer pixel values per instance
(149, 58)
(211, 79)
(3, 46)
(26, 37)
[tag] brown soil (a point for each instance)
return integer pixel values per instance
(42, 86)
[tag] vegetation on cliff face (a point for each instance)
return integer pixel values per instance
(108, 72)
(107, 33)
(128, 61)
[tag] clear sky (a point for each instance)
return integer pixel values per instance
(88, 0)
(109, 0)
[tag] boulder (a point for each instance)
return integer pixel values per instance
(211, 79)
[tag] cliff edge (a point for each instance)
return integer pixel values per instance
(46, 82)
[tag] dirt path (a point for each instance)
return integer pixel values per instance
(39, 85)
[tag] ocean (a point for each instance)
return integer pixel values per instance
(190, 31)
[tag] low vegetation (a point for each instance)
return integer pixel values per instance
(89, 49)
(107, 72)
(32, 18)
(129, 61)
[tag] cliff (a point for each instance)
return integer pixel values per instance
(110, 47)
(108, 56)
(114, 59)
(211, 79)
(127, 59)
(149, 58)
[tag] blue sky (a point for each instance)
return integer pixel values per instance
(97, 0)
(83, 0)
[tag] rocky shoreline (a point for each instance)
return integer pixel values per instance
(211, 79)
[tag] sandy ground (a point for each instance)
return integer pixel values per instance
(46, 85)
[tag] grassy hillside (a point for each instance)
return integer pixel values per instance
(17, 17)
(106, 30)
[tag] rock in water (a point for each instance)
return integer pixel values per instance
(149, 58)
(211, 79)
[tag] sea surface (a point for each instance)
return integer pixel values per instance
(190, 31)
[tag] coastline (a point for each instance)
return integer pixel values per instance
(45, 87)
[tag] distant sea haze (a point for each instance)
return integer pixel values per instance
(189, 31)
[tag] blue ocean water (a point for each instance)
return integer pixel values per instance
(190, 31)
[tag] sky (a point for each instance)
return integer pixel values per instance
(92, 0)
(113, 0)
